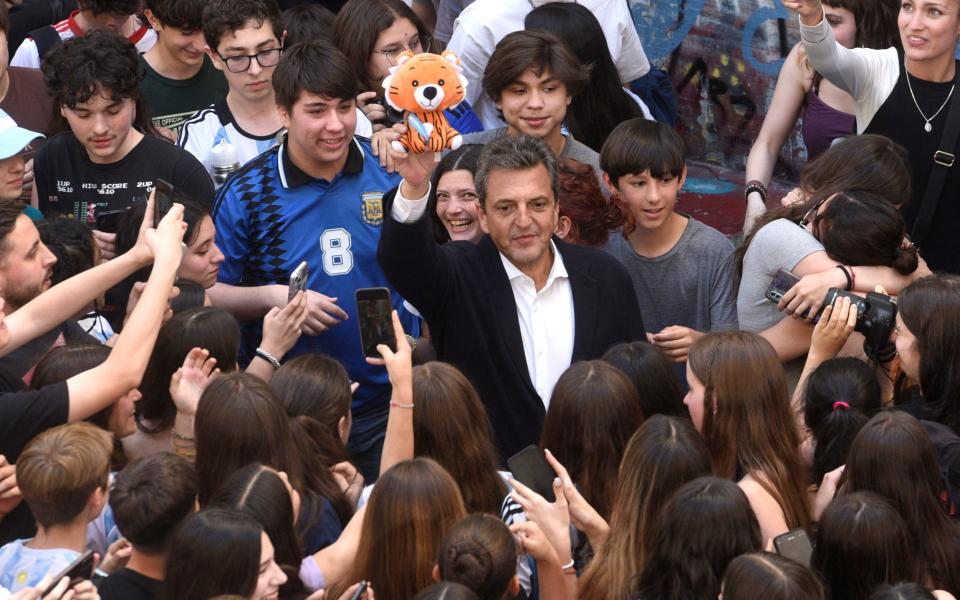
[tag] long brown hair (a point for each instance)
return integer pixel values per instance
(315, 390)
(747, 420)
(665, 453)
(869, 163)
(240, 421)
(893, 456)
(594, 410)
(411, 509)
(450, 425)
(930, 308)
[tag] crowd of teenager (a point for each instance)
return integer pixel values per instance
(582, 392)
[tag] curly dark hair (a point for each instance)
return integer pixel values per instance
(182, 14)
(222, 16)
(100, 62)
(4, 18)
(110, 7)
(71, 242)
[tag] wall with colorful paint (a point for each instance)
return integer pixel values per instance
(723, 57)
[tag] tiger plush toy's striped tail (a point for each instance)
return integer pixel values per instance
(424, 85)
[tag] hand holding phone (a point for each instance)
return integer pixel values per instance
(298, 280)
(80, 569)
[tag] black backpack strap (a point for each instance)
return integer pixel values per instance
(943, 160)
(46, 38)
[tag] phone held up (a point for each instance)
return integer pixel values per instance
(376, 324)
(298, 280)
(77, 571)
(530, 468)
(162, 200)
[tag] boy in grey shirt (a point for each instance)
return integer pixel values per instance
(682, 269)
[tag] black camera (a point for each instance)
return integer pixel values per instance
(876, 318)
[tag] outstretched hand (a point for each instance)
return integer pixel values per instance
(810, 11)
(190, 380)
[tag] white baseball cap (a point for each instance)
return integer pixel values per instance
(13, 138)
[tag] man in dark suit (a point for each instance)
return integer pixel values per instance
(513, 311)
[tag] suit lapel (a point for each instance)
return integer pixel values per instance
(585, 301)
(504, 308)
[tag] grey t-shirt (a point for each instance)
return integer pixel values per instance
(780, 244)
(691, 285)
(572, 149)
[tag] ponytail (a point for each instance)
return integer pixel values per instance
(841, 395)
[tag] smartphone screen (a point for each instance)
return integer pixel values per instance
(794, 545)
(530, 468)
(298, 280)
(77, 571)
(376, 325)
(162, 200)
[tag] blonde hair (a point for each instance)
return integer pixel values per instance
(60, 468)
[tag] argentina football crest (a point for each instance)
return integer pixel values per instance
(372, 208)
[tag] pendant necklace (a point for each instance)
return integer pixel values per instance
(926, 126)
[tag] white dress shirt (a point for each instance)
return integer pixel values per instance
(546, 316)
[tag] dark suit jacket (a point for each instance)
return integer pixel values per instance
(463, 292)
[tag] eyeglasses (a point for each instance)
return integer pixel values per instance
(418, 44)
(813, 214)
(265, 58)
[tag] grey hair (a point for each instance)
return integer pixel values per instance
(515, 154)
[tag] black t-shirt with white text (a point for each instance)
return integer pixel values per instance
(69, 183)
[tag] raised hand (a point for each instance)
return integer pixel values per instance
(810, 11)
(552, 517)
(400, 363)
(281, 326)
(583, 516)
(190, 380)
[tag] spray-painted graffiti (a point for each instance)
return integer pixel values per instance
(723, 57)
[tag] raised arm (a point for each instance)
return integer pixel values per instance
(793, 83)
(412, 260)
(867, 75)
(66, 299)
(398, 443)
(97, 388)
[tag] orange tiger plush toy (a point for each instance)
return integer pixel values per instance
(424, 85)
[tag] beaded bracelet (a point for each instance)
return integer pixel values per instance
(755, 186)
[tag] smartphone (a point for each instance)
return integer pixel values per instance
(77, 571)
(530, 468)
(162, 200)
(360, 591)
(376, 324)
(794, 545)
(108, 221)
(780, 285)
(298, 280)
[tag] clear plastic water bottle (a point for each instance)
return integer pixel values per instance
(223, 162)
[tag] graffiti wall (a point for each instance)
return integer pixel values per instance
(723, 57)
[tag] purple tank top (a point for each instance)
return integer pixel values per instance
(822, 124)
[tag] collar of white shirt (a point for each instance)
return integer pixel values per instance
(557, 270)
